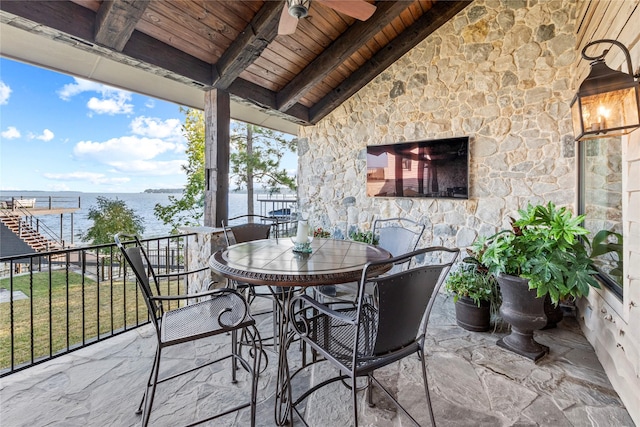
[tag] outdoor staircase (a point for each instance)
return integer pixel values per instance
(27, 233)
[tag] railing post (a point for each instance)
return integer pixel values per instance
(50, 205)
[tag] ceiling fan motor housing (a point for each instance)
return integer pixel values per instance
(298, 11)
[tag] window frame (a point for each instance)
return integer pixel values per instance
(616, 288)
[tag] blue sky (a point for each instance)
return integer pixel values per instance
(62, 133)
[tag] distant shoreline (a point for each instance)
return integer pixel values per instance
(163, 190)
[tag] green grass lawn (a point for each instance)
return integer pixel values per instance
(103, 305)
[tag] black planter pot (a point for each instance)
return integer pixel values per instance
(471, 317)
(525, 313)
(553, 312)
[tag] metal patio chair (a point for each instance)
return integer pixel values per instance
(398, 236)
(247, 228)
(359, 338)
(201, 315)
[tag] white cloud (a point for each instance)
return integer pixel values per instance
(47, 135)
(11, 133)
(92, 177)
(5, 92)
(151, 103)
(111, 104)
(79, 86)
(157, 128)
(112, 101)
(125, 148)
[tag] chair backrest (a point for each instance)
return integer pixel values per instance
(399, 236)
(404, 299)
(248, 228)
(135, 255)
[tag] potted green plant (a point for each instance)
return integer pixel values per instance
(476, 295)
(542, 254)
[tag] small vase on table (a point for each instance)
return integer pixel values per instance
(303, 238)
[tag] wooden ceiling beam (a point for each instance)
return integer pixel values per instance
(116, 20)
(249, 45)
(430, 21)
(265, 98)
(154, 52)
(67, 17)
(338, 52)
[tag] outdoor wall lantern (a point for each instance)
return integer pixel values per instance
(608, 101)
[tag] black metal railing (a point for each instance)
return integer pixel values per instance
(56, 302)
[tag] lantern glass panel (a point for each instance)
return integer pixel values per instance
(610, 110)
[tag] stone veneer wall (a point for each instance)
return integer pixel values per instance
(503, 72)
(200, 246)
(499, 71)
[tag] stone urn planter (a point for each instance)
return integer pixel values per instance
(525, 313)
(471, 317)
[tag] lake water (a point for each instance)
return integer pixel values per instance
(141, 203)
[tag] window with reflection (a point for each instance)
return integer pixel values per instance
(600, 199)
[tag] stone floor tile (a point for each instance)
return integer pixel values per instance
(472, 382)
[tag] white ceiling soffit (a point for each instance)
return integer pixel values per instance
(44, 52)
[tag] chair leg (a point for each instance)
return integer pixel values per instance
(148, 402)
(370, 392)
(257, 352)
(426, 387)
(235, 350)
(144, 395)
(354, 395)
(274, 319)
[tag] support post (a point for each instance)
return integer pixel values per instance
(217, 124)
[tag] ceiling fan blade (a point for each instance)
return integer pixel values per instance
(359, 9)
(288, 23)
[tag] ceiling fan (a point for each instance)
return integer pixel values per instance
(293, 10)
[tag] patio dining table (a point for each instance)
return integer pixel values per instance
(273, 262)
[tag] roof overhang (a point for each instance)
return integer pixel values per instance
(61, 55)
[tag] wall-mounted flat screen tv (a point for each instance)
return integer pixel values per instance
(434, 168)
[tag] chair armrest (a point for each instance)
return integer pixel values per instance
(182, 273)
(322, 308)
(211, 292)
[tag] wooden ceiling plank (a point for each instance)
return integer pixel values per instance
(249, 44)
(438, 15)
(187, 42)
(273, 56)
(116, 20)
(215, 14)
(328, 21)
(292, 46)
(274, 68)
(262, 77)
(337, 52)
(184, 23)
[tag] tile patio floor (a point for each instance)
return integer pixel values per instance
(472, 383)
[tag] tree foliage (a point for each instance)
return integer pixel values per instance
(262, 162)
(188, 209)
(111, 216)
